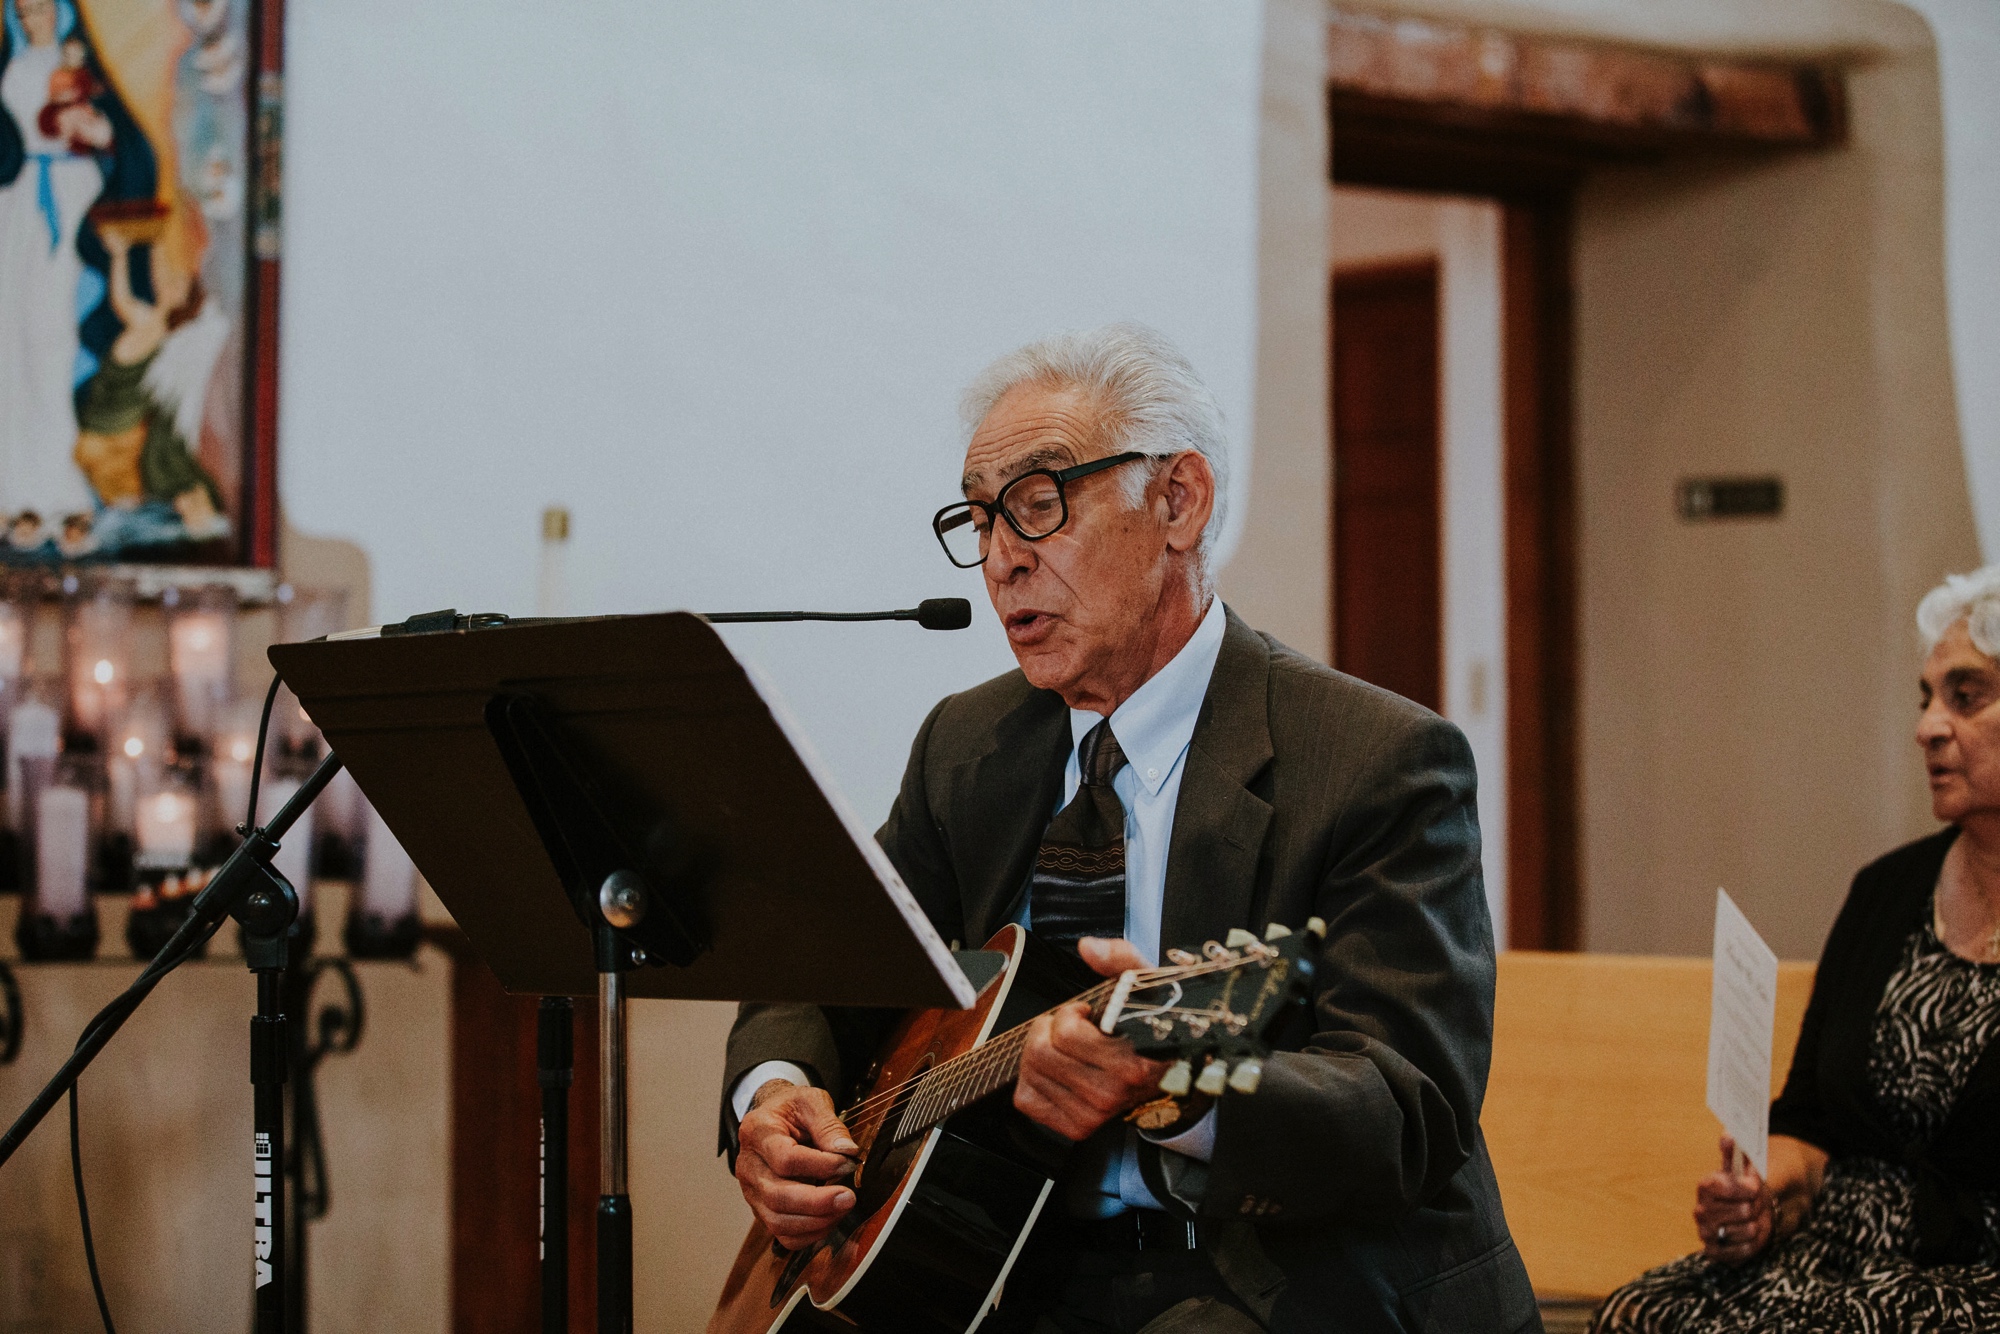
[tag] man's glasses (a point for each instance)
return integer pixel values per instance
(1033, 504)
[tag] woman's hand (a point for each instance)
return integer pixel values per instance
(1732, 1211)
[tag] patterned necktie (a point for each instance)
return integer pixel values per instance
(1079, 882)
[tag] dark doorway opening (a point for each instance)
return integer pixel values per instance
(1387, 530)
(1533, 186)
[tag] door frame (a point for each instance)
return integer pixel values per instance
(1534, 190)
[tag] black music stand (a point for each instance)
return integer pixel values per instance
(613, 805)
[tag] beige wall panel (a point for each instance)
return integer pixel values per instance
(166, 1153)
(688, 1217)
(1747, 686)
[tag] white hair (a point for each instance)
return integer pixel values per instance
(1973, 598)
(1148, 397)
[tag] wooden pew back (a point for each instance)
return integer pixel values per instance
(1596, 1111)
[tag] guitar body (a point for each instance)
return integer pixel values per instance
(939, 1217)
(951, 1178)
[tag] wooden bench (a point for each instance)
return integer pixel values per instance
(1596, 1112)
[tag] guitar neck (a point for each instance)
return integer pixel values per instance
(963, 1080)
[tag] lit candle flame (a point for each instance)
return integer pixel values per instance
(134, 747)
(103, 671)
(240, 749)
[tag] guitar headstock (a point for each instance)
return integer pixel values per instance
(1212, 1013)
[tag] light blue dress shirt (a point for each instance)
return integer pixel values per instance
(1154, 728)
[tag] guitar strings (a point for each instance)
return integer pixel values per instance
(1001, 1052)
(975, 1074)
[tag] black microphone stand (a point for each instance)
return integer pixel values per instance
(247, 888)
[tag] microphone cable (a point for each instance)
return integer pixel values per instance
(168, 959)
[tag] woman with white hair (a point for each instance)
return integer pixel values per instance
(1882, 1207)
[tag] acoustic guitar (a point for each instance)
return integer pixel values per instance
(951, 1179)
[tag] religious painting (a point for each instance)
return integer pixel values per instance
(130, 341)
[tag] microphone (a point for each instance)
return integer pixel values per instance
(931, 613)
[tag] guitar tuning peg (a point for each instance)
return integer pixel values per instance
(1247, 1075)
(1178, 1079)
(1316, 927)
(1182, 957)
(1277, 931)
(1238, 938)
(1214, 949)
(1213, 1077)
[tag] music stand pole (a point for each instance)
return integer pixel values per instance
(614, 1206)
(555, 1041)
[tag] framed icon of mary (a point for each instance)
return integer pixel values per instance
(138, 281)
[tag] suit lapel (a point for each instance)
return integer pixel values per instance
(1001, 803)
(1219, 824)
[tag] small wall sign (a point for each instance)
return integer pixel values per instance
(1702, 499)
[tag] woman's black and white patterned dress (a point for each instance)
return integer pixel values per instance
(1850, 1268)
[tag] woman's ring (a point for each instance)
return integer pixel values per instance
(1722, 1234)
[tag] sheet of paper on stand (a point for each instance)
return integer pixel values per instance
(1742, 1012)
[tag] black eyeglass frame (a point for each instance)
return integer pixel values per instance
(996, 507)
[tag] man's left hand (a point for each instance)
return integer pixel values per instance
(1073, 1077)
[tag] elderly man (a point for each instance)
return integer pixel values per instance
(1214, 778)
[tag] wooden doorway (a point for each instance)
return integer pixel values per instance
(1446, 107)
(1387, 589)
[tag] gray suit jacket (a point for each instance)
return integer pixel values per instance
(1306, 793)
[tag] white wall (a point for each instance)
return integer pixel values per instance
(1968, 48)
(1463, 235)
(712, 277)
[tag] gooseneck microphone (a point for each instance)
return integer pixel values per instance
(931, 613)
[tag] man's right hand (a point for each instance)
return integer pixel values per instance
(793, 1157)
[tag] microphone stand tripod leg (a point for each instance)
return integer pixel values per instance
(614, 1206)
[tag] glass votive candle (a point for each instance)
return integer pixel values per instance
(164, 880)
(17, 621)
(34, 732)
(141, 742)
(231, 753)
(383, 923)
(341, 818)
(303, 613)
(98, 645)
(58, 918)
(201, 653)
